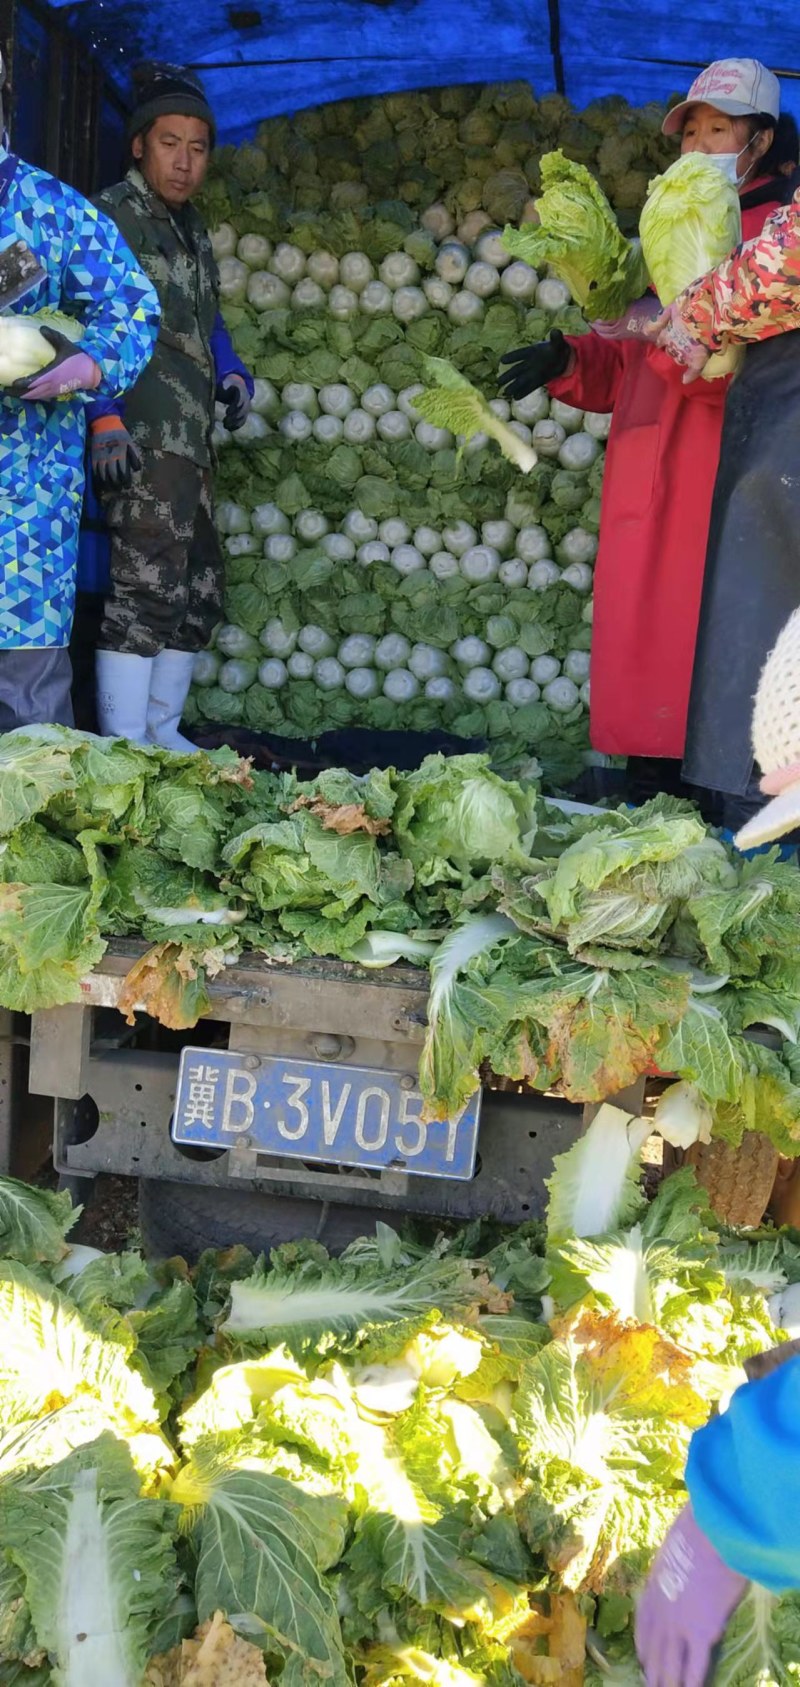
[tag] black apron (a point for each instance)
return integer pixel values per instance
(752, 577)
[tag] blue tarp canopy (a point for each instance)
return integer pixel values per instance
(260, 57)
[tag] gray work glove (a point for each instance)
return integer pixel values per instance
(115, 458)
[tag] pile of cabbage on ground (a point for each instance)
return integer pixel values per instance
(576, 949)
(375, 577)
(441, 1461)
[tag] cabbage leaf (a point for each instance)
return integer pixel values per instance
(312, 1308)
(594, 1187)
(579, 237)
(604, 1415)
(762, 1642)
(97, 1561)
(34, 1223)
(452, 402)
(261, 1555)
(51, 1352)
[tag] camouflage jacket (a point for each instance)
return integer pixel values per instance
(171, 406)
(755, 293)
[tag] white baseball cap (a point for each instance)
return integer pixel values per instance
(739, 87)
(776, 741)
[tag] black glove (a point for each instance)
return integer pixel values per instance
(232, 392)
(533, 366)
(115, 458)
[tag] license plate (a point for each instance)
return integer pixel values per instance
(313, 1110)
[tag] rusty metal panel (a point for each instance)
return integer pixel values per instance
(629, 1101)
(60, 1051)
(319, 1003)
(133, 1087)
(246, 1038)
(317, 995)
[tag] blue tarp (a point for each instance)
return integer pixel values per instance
(260, 57)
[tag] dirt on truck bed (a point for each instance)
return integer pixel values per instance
(110, 1219)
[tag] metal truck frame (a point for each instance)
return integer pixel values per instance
(114, 1094)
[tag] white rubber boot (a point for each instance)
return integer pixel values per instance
(169, 688)
(123, 688)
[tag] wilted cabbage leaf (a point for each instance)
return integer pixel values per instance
(216, 1657)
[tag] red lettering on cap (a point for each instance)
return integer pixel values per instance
(715, 81)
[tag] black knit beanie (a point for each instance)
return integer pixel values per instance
(166, 90)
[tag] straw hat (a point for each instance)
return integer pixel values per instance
(776, 741)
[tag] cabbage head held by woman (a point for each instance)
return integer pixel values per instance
(691, 221)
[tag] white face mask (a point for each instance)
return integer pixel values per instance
(728, 163)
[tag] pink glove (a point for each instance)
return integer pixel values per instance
(633, 322)
(685, 1607)
(672, 336)
(71, 371)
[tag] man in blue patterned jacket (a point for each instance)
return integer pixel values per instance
(89, 274)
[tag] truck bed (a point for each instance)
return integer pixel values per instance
(114, 1094)
(304, 995)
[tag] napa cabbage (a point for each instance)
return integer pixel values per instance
(691, 220)
(24, 351)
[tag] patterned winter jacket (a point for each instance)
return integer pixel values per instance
(755, 293)
(89, 273)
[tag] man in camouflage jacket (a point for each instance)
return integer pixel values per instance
(155, 467)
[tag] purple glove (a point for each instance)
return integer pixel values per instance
(71, 371)
(233, 393)
(633, 322)
(685, 1607)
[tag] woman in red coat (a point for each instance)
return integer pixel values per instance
(662, 452)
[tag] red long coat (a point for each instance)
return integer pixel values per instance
(661, 463)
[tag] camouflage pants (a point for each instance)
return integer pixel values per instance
(167, 572)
